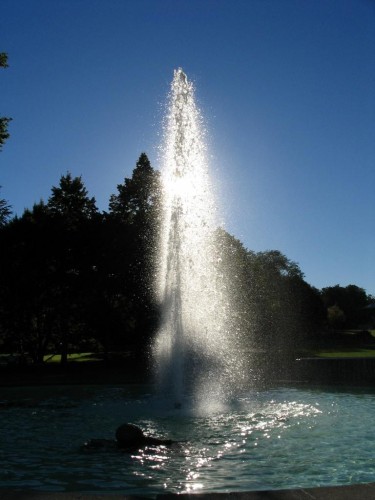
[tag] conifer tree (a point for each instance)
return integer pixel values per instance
(134, 213)
(71, 201)
(75, 214)
(137, 196)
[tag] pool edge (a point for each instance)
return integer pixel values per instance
(365, 491)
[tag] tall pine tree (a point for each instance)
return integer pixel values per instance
(134, 212)
(70, 201)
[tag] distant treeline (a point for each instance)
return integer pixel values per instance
(73, 279)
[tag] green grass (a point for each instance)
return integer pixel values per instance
(340, 350)
(80, 357)
(357, 353)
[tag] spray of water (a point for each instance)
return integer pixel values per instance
(194, 353)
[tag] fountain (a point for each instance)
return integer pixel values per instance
(194, 350)
(266, 438)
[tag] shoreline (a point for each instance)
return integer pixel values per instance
(362, 491)
(73, 374)
(349, 372)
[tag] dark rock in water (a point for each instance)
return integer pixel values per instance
(129, 438)
(129, 435)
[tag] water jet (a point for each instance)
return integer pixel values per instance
(194, 350)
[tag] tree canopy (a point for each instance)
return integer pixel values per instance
(347, 306)
(70, 200)
(72, 278)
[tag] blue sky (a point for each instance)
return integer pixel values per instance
(286, 88)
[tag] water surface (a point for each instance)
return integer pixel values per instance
(266, 439)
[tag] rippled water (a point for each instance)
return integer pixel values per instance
(267, 439)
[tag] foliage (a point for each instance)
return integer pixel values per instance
(271, 304)
(5, 212)
(3, 60)
(352, 300)
(4, 121)
(4, 134)
(76, 280)
(134, 214)
(46, 266)
(70, 201)
(25, 295)
(138, 196)
(335, 317)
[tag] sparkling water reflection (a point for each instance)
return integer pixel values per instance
(268, 439)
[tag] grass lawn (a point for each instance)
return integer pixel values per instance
(341, 349)
(80, 357)
(343, 353)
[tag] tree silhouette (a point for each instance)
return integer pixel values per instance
(5, 212)
(71, 202)
(4, 134)
(134, 211)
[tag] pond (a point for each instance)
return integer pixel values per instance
(273, 438)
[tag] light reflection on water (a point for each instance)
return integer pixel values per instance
(269, 439)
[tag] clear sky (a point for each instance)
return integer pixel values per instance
(286, 87)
